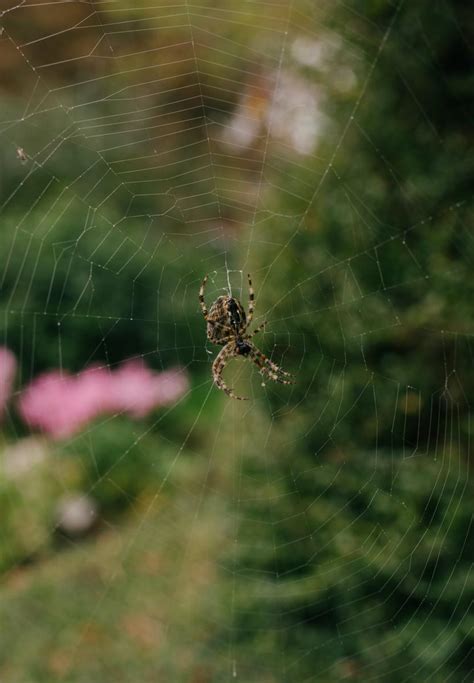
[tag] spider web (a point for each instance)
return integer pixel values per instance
(143, 147)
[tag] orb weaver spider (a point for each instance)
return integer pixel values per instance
(227, 325)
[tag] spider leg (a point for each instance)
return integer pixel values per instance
(268, 367)
(256, 330)
(220, 361)
(225, 340)
(251, 302)
(201, 298)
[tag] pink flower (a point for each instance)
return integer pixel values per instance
(136, 390)
(7, 375)
(61, 405)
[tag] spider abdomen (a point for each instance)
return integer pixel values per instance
(226, 319)
(236, 314)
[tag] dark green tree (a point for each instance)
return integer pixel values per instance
(357, 547)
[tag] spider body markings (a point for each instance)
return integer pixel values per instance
(227, 326)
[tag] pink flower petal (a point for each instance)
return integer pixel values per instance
(60, 404)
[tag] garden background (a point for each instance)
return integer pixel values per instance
(152, 529)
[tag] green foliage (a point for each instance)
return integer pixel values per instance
(333, 539)
(59, 624)
(80, 299)
(28, 496)
(367, 553)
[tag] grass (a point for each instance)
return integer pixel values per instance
(134, 602)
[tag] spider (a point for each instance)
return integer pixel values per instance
(227, 326)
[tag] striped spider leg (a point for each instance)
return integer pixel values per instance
(220, 361)
(268, 367)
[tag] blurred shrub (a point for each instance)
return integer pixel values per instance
(7, 378)
(73, 297)
(118, 463)
(362, 525)
(115, 464)
(356, 558)
(31, 486)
